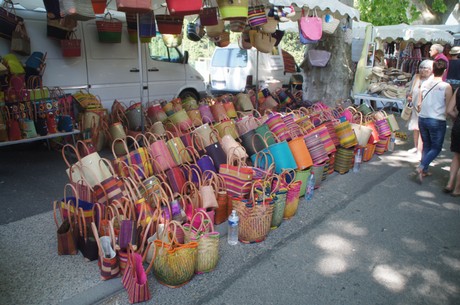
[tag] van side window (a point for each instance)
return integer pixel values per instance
(232, 58)
(158, 51)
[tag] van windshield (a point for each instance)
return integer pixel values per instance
(159, 51)
(232, 58)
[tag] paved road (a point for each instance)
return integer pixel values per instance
(375, 237)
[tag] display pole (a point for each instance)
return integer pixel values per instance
(141, 73)
(257, 81)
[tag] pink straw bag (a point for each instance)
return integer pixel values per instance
(277, 126)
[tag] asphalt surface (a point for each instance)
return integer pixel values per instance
(373, 237)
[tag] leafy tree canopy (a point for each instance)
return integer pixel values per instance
(389, 12)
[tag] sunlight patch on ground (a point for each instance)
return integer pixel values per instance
(416, 207)
(451, 206)
(414, 245)
(396, 160)
(389, 278)
(429, 283)
(350, 228)
(453, 263)
(425, 194)
(334, 244)
(430, 202)
(432, 284)
(336, 248)
(446, 168)
(332, 265)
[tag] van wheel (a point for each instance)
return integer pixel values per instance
(187, 93)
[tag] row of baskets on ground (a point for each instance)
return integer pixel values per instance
(178, 116)
(158, 203)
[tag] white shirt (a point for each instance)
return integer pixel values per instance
(434, 100)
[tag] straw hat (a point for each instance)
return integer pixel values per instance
(389, 94)
(378, 71)
(455, 50)
(393, 72)
(374, 88)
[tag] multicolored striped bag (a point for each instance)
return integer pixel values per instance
(343, 160)
(135, 279)
(160, 152)
(65, 231)
(256, 15)
(325, 138)
(139, 156)
(278, 126)
(108, 260)
(381, 145)
(346, 135)
(236, 177)
(177, 150)
(110, 189)
(315, 147)
(293, 128)
(383, 127)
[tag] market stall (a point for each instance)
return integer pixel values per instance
(401, 48)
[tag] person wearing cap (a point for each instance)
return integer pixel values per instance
(453, 75)
(431, 105)
(453, 185)
(454, 53)
(436, 52)
(425, 72)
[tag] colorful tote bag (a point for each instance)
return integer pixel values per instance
(236, 178)
(311, 26)
(346, 135)
(135, 279)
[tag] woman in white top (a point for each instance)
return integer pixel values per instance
(425, 73)
(432, 116)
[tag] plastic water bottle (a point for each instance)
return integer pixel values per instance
(310, 186)
(391, 145)
(358, 159)
(232, 236)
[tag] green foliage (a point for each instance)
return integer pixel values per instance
(388, 12)
(291, 44)
(439, 6)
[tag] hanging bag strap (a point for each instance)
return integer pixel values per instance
(419, 105)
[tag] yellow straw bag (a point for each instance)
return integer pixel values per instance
(255, 215)
(173, 263)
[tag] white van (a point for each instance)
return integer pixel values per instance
(111, 70)
(233, 69)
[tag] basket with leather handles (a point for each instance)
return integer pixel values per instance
(71, 47)
(168, 24)
(109, 29)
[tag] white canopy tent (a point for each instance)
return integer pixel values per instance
(413, 33)
(333, 7)
(410, 33)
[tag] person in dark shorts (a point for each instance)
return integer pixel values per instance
(453, 185)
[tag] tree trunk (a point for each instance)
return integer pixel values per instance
(333, 82)
(428, 16)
